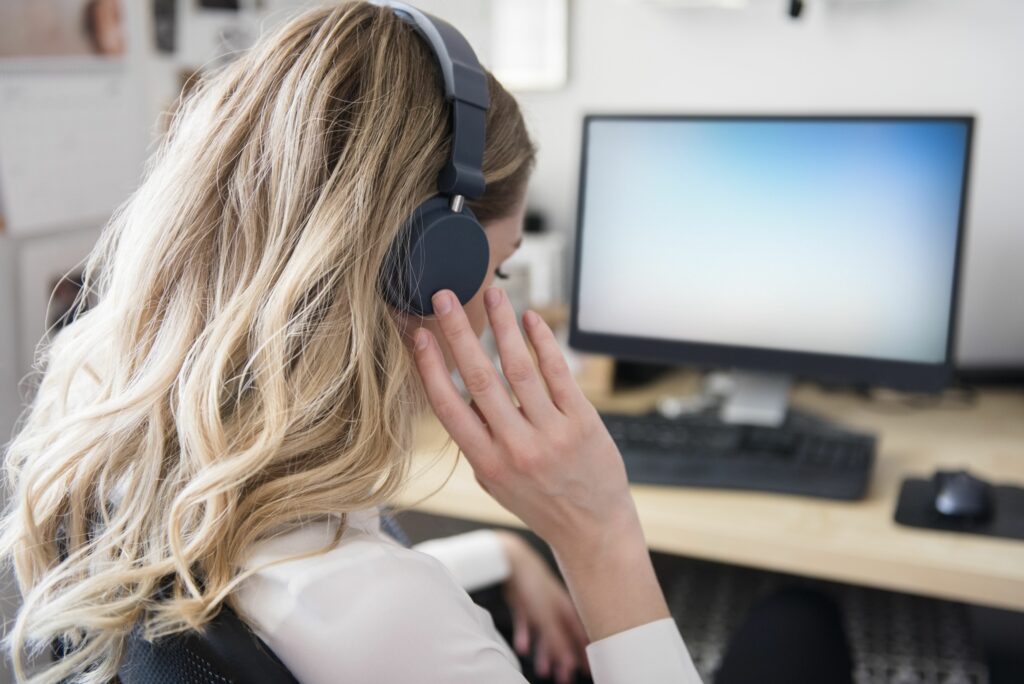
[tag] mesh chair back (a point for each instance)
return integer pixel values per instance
(227, 652)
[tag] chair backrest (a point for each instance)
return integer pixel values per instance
(226, 652)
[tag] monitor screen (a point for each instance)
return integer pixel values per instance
(834, 236)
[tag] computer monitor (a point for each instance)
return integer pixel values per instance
(825, 247)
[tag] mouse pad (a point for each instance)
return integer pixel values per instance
(914, 509)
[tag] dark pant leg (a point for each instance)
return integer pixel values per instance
(795, 636)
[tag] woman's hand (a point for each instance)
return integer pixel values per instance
(550, 460)
(544, 619)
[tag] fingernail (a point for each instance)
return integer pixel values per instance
(442, 302)
(492, 297)
(529, 318)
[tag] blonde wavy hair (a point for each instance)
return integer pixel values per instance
(240, 371)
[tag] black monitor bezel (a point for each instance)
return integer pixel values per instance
(907, 375)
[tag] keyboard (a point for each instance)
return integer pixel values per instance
(805, 456)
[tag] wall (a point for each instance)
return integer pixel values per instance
(9, 371)
(844, 56)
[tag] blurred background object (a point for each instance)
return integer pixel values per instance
(61, 28)
(165, 25)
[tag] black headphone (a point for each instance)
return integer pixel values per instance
(442, 245)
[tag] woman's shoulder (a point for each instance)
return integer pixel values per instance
(369, 591)
(293, 573)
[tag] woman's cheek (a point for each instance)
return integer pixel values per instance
(475, 310)
(476, 313)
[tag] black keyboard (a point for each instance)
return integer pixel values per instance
(805, 456)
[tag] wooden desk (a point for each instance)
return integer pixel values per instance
(856, 543)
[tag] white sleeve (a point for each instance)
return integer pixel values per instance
(370, 611)
(476, 559)
(397, 617)
(652, 653)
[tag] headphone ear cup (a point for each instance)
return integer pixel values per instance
(437, 249)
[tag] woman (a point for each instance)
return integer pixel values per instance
(224, 423)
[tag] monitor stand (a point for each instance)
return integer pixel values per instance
(756, 399)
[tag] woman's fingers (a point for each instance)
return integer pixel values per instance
(457, 417)
(478, 373)
(565, 670)
(562, 657)
(541, 660)
(516, 362)
(520, 632)
(578, 634)
(564, 390)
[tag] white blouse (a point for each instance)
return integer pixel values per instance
(371, 610)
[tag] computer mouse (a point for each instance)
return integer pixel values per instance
(958, 494)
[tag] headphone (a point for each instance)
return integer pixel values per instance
(442, 245)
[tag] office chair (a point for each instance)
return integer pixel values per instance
(227, 652)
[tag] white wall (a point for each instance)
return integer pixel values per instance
(9, 404)
(10, 407)
(844, 56)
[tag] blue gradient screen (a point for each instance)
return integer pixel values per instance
(824, 236)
